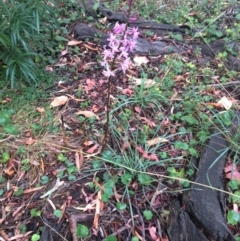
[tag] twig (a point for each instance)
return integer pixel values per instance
(45, 223)
(120, 230)
(141, 219)
(221, 84)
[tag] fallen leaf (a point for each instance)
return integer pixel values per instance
(76, 99)
(97, 210)
(233, 175)
(116, 194)
(156, 141)
(152, 231)
(95, 108)
(49, 68)
(152, 157)
(74, 42)
(79, 159)
(42, 165)
(64, 52)
(147, 83)
(232, 172)
(40, 109)
(137, 109)
(139, 60)
(60, 100)
(179, 78)
(148, 122)
(92, 149)
(227, 104)
(29, 141)
(215, 105)
(87, 113)
(88, 143)
(229, 168)
(9, 171)
(32, 189)
(127, 92)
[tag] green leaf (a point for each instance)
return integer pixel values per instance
(10, 129)
(3, 120)
(19, 192)
(96, 164)
(234, 184)
(72, 169)
(126, 178)
(82, 231)
(35, 212)
(5, 157)
(35, 237)
(190, 172)
(190, 120)
(181, 145)
(110, 238)
(233, 217)
(105, 197)
(234, 198)
(57, 213)
(1, 192)
(121, 206)
(147, 214)
(72, 177)
(60, 38)
(23, 228)
(2, 179)
(25, 161)
(144, 179)
(185, 182)
(108, 188)
(135, 238)
(61, 157)
(60, 173)
(44, 179)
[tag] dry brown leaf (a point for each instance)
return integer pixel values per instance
(79, 159)
(64, 52)
(97, 210)
(227, 104)
(116, 194)
(179, 78)
(93, 149)
(40, 109)
(42, 165)
(9, 171)
(88, 143)
(32, 189)
(152, 232)
(60, 100)
(147, 83)
(139, 60)
(29, 141)
(74, 42)
(76, 99)
(156, 141)
(87, 113)
(215, 105)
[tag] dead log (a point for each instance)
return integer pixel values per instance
(155, 48)
(204, 207)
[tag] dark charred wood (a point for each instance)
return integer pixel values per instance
(204, 211)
